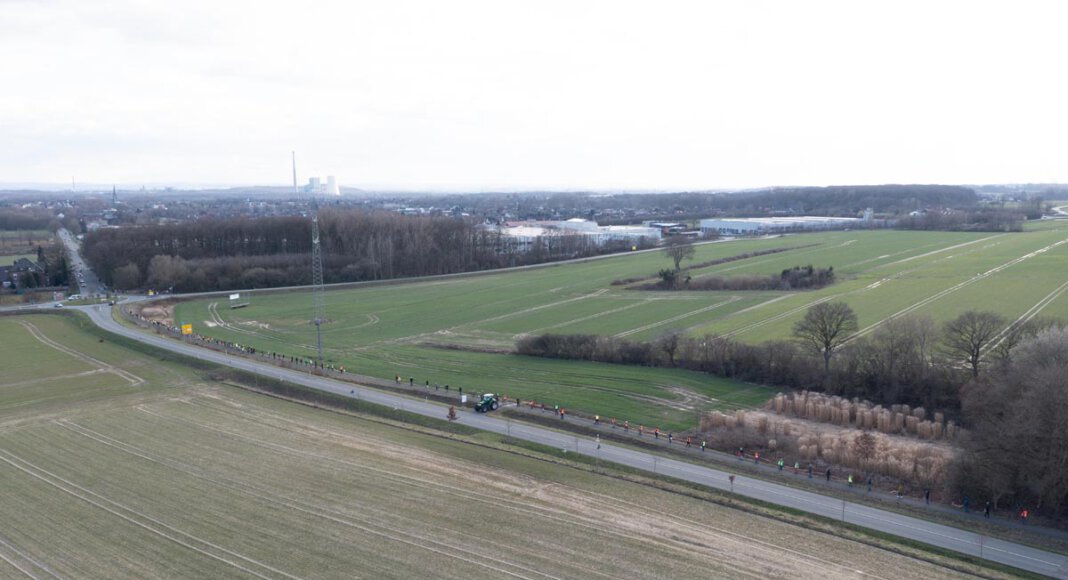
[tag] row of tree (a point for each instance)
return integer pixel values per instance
(1005, 383)
(909, 359)
(979, 220)
(796, 278)
(25, 219)
(216, 254)
(631, 207)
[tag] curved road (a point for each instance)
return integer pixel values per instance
(966, 542)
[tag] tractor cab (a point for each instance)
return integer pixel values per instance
(488, 402)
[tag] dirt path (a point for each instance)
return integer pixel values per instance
(133, 379)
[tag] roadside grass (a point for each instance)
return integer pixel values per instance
(634, 393)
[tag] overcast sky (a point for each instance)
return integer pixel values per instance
(533, 94)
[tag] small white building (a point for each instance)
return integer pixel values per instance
(525, 234)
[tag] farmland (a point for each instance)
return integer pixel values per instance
(23, 241)
(8, 259)
(401, 328)
(146, 470)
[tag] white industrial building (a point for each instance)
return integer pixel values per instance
(757, 226)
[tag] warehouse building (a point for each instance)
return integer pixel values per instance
(760, 226)
(526, 234)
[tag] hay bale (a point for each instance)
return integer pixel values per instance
(911, 422)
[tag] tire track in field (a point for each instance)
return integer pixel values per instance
(946, 249)
(592, 497)
(562, 515)
(348, 520)
(141, 520)
(55, 378)
(583, 318)
(218, 320)
(946, 292)
(1026, 316)
(872, 286)
(701, 529)
(451, 329)
(14, 565)
(19, 553)
(600, 292)
(431, 485)
(133, 379)
(708, 308)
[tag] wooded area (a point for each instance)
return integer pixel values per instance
(214, 254)
(1008, 393)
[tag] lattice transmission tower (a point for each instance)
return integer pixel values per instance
(317, 284)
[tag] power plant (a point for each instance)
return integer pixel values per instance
(315, 185)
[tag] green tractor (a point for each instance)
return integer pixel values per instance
(488, 402)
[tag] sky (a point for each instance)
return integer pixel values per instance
(537, 94)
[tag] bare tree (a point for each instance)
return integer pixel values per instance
(1017, 333)
(1018, 444)
(825, 327)
(669, 343)
(127, 277)
(968, 335)
(679, 248)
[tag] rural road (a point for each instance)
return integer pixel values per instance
(88, 283)
(951, 538)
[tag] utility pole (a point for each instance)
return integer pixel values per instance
(317, 284)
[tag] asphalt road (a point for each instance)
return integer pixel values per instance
(88, 283)
(966, 542)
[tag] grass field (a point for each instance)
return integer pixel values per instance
(148, 472)
(18, 241)
(401, 328)
(8, 259)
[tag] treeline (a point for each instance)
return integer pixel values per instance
(1004, 382)
(796, 278)
(630, 207)
(909, 360)
(217, 254)
(989, 220)
(25, 219)
(850, 199)
(1014, 453)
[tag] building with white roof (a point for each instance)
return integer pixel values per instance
(758, 226)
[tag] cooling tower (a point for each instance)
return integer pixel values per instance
(331, 186)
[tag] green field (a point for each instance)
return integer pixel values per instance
(8, 259)
(402, 328)
(147, 471)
